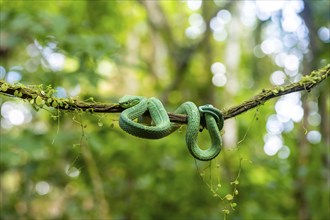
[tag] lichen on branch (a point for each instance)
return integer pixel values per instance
(41, 97)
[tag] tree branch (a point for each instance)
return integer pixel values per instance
(40, 97)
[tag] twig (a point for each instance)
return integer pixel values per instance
(306, 83)
(40, 98)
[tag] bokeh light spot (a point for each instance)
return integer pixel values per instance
(104, 68)
(219, 80)
(314, 137)
(324, 34)
(291, 23)
(291, 62)
(60, 92)
(224, 16)
(13, 77)
(278, 78)
(218, 67)
(270, 46)
(16, 117)
(56, 61)
(32, 50)
(196, 19)
(72, 171)
(274, 126)
(42, 188)
(2, 72)
(284, 152)
(269, 6)
(14, 113)
(194, 4)
(272, 145)
(220, 36)
(314, 119)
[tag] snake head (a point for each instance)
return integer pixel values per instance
(216, 113)
(128, 101)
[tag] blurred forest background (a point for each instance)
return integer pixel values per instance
(60, 165)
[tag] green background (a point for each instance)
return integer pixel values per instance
(61, 165)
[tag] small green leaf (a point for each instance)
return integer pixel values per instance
(54, 104)
(233, 204)
(229, 197)
(39, 101)
(16, 93)
(4, 87)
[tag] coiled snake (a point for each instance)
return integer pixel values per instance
(136, 106)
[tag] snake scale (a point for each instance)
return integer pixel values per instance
(136, 106)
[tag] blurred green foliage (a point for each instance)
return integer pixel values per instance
(60, 165)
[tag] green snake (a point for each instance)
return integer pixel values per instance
(136, 106)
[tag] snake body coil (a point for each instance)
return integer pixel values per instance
(136, 106)
(161, 126)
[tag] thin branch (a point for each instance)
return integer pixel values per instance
(40, 97)
(306, 83)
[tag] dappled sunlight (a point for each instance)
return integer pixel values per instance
(288, 110)
(285, 41)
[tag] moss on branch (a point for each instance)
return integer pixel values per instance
(41, 97)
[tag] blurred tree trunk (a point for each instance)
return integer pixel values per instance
(304, 172)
